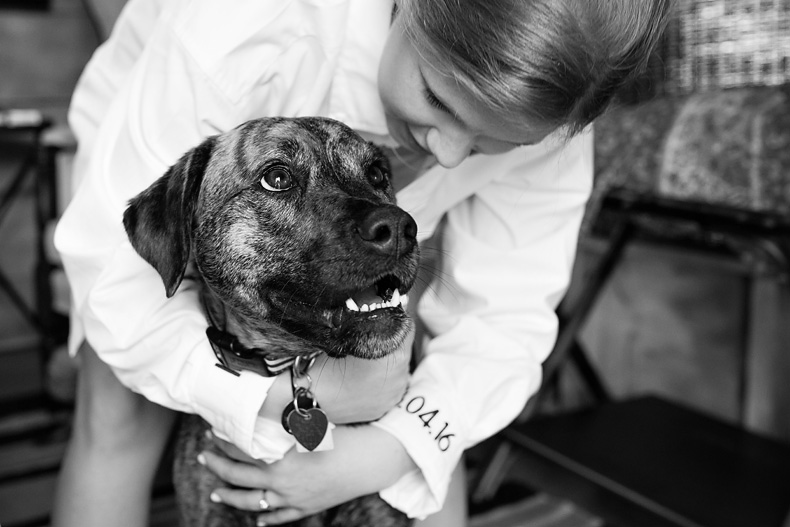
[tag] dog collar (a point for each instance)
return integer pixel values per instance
(234, 357)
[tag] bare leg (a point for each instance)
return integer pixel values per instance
(454, 513)
(117, 441)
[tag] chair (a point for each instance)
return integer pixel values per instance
(648, 461)
(21, 131)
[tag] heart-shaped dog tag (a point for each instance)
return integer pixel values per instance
(308, 427)
(304, 400)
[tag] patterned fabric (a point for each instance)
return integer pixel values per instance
(729, 147)
(727, 44)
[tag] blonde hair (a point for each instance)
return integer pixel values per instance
(555, 62)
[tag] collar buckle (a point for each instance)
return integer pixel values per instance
(233, 356)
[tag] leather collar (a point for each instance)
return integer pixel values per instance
(235, 357)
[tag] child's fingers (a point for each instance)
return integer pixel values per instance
(250, 500)
(276, 517)
(247, 499)
(230, 450)
(234, 472)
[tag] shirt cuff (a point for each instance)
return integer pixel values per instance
(231, 404)
(271, 441)
(421, 492)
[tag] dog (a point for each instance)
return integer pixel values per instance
(291, 229)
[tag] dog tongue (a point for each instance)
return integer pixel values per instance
(367, 296)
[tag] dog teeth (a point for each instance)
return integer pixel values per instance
(396, 300)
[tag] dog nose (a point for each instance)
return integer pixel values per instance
(389, 230)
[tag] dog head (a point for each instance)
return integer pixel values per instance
(292, 224)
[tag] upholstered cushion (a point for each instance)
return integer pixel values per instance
(727, 147)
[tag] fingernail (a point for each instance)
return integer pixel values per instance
(201, 459)
(215, 498)
(260, 523)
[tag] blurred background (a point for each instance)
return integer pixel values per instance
(680, 290)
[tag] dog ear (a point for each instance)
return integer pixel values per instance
(158, 221)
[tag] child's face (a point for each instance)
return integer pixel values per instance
(429, 112)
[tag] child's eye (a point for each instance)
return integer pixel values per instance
(434, 101)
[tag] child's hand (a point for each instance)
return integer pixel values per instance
(349, 390)
(365, 460)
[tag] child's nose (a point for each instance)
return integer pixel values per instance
(450, 147)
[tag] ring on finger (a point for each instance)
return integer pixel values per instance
(262, 503)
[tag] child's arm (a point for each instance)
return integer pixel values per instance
(508, 256)
(178, 89)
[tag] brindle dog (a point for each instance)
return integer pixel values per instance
(292, 227)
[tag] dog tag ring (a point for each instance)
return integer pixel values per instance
(304, 401)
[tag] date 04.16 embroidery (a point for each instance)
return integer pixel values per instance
(416, 406)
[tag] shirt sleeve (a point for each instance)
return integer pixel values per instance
(508, 255)
(172, 73)
(164, 103)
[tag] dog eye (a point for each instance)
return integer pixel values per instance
(377, 176)
(277, 179)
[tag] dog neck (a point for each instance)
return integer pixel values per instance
(243, 344)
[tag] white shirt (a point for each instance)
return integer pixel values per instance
(176, 71)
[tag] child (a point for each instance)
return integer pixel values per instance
(484, 102)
